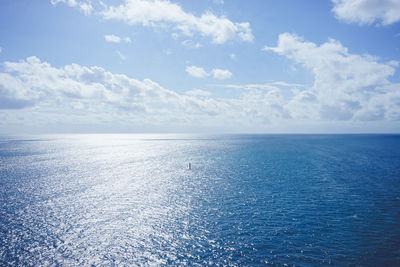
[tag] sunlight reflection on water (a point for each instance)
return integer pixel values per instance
(131, 199)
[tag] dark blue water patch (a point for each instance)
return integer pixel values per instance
(301, 200)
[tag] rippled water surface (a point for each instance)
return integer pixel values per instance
(248, 200)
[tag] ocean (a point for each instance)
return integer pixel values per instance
(246, 200)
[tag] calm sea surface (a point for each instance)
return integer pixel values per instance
(248, 200)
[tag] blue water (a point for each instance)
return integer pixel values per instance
(248, 200)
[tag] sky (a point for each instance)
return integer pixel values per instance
(210, 66)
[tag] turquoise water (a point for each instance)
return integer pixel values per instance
(247, 200)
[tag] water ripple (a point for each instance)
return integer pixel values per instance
(248, 200)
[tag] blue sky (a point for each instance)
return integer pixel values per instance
(200, 66)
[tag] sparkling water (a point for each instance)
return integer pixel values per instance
(246, 200)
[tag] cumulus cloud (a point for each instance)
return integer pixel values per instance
(159, 12)
(195, 71)
(84, 6)
(165, 14)
(32, 82)
(112, 38)
(91, 94)
(221, 74)
(13, 95)
(199, 72)
(198, 92)
(36, 81)
(341, 92)
(367, 11)
(346, 85)
(263, 104)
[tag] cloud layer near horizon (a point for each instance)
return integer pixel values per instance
(33, 83)
(347, 87)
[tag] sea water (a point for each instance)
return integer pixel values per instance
(247, 200)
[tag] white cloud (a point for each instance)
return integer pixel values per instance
(13, 95)
(198, 92)
(71, 3)
(79, 94)
(367, 11)
(260, 103)
(127, 40)
(345, 84)
(221, 74)
(75, 94)
(161, 12)
(218, 2)
(121, 56)
(112, 38)
(84, 6)
(191, 44)
(285, 84)
(264, 86)
(33, 83)
(116, 39)
(197, 72)
(232, 56)
(37, 81)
